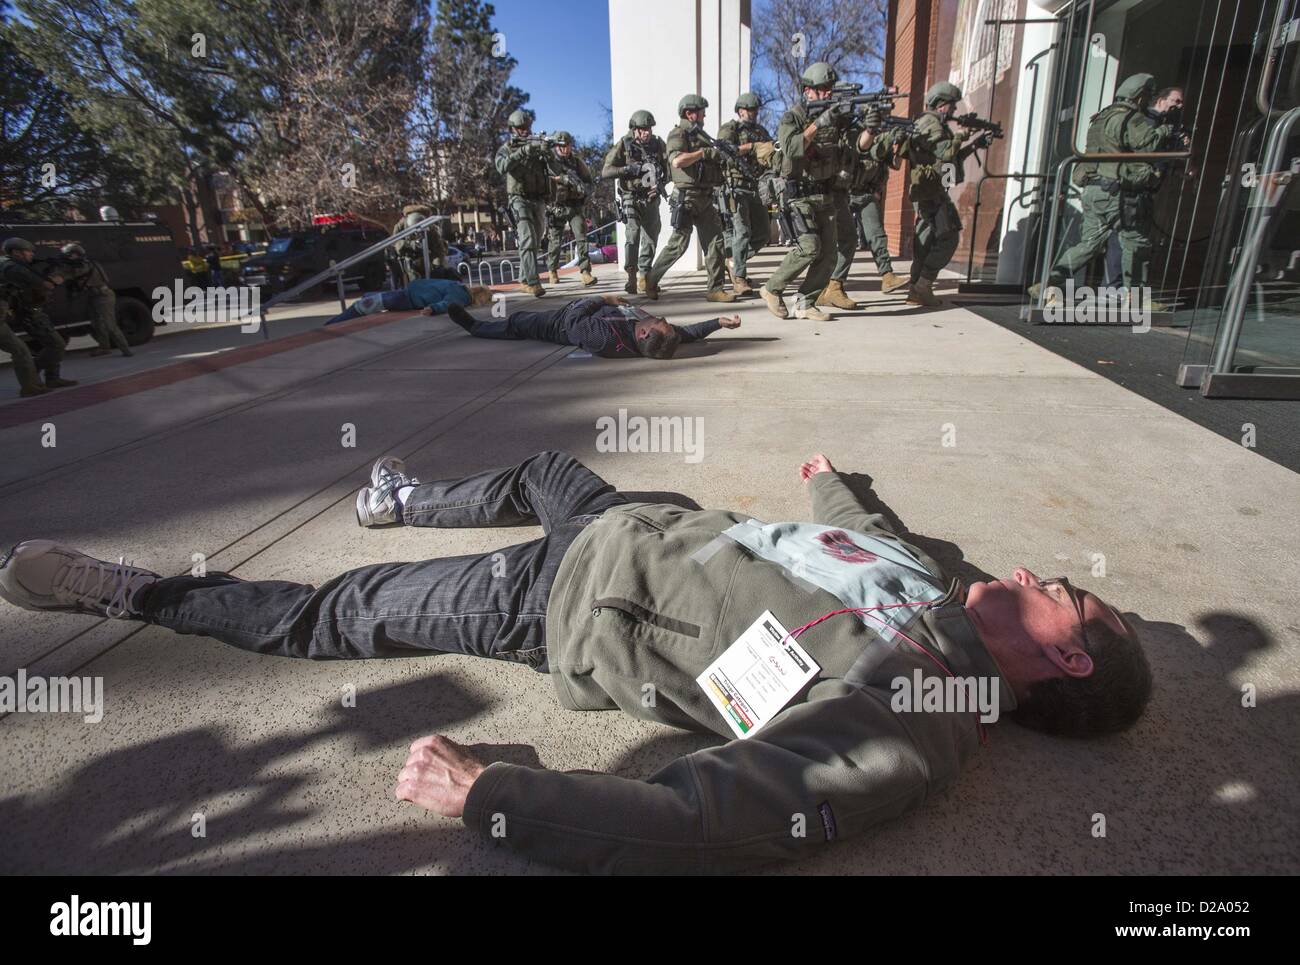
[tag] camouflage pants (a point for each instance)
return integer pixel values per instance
(813, 250)
(750, 229)
(873, 229)
(559, 217)
(1102, 217)
(642, 228)
(530, 226)
(938, 230)
(103, 324)
(700, 216)
(51, 343)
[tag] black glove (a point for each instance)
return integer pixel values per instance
(835, 114)
(871, 119)
(634, 170)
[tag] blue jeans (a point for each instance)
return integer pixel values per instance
(486, 605)
(393, 301)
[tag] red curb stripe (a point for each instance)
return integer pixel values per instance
(69, 400)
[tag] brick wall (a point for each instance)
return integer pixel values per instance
(907, 65)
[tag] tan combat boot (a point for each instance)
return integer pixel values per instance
(741, 284)
(651, 289)
(588, 279)
(32, 388)
(922, 293)
(833, 294)
(534, 289)
(555, 278)
(889, 282)
(640, 285)
(812, 313)
(774, 303)
(719, 295)
(630, 287)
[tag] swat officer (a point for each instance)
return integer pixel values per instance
(810, 163)
(638, 162)
(750, 222)
(81, 274)
(410, 250)
(934, 148)
(1118, 195)
(25, 291)
(525, 160)
(865, 179)
(696, 170)
(571, 184)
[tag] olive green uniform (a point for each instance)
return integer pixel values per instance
(24, 290)
(410, 250)
(639, 196)
(693, 188)
(938, 225)
(568, 198)
(750, 222)
(1116, 195)
(810, 175)
(866, 179)
(528, 186)
(84, 274)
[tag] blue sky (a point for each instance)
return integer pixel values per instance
(563, 51)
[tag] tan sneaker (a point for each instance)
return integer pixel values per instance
(889, 282)
(922, 293)
(741, 284)
(774, 302)
(833, 294)
(812, 313)
(719, 295)
(588, 279)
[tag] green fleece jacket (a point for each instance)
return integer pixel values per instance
(637, 613)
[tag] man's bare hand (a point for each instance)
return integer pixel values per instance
(438, 775)
(729, 321)
(426, 310)
(814, 465)
(614, 299)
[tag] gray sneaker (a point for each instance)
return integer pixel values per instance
(40, 574)
(377, 503)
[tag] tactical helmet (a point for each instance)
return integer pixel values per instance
(72, 248)
(417, 209)
(562, 137)
(942, 91)
(691, 102)
(820, 74)
(641, 119)
(17, 244)
(1135, 86)
(519, 119)
(749, 101)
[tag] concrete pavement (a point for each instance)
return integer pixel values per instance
(997, 451)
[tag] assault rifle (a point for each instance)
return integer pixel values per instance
(973, 122)
(881, 100)
(726, 148)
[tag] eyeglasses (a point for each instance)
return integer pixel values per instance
(1073, 594)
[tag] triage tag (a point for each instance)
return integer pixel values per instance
(757, 675)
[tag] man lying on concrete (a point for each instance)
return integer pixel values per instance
(603, 325)
(825, 654)
(432, 296)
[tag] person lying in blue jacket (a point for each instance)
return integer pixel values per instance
(603, 325)
(432, 295)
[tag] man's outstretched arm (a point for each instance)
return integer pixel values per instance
(823, 770)
(701, 330)
(834, 504)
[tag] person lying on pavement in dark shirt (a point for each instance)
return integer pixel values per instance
(603, 325)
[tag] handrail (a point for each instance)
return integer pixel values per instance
(348, 262)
